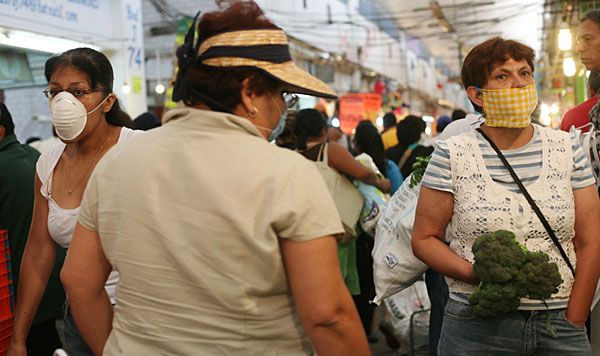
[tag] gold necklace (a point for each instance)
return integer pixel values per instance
(70, 189)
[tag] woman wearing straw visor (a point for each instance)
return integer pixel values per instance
(228, 247)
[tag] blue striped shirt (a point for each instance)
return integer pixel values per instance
(525, 160)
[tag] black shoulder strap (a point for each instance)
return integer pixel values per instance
(530, 200)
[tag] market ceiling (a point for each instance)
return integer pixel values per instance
(451, 27)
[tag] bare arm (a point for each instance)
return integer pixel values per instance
(84, 275)
(587, 250)
(321, 297)
(38, 261)
(342, 160)
(434, 211)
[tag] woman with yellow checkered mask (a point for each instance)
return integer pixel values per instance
(510, 174)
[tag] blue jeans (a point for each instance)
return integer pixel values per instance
(74, 343)
(545, 332)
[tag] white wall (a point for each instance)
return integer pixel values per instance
(30, 112)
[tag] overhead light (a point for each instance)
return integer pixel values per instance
(41, 43)
(545, 119)
(569, 67)
(545, 109)
(335, 122)
(565, 39)
(125, 89)
(159, 88)
(379, 121)
(554, 108)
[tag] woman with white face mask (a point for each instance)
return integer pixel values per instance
(89, 121)
(510, 175)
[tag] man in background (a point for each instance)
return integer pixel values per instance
(17, 177)
(388, 135)
(458, 114)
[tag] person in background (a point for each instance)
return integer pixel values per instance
(442, 122)
(405, 153)
(467, 185)
(368, 141)
(579, 115)
(310, 130)
(588, 40)
(43, 145)
(388, 135)
(588, 48)
(228, 248)
(335, 134)
(17, 176)
(32, 140)
(89, 121)
(287, 138)
(458, 114)
(146, 121)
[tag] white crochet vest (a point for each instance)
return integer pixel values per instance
(482, 205)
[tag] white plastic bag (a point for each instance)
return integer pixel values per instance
(412, 301)
(374, 198)
(395, 267)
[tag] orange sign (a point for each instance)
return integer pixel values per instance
(357, 107)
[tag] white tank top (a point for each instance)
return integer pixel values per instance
(61, 222)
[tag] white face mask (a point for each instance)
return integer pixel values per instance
(68, 115)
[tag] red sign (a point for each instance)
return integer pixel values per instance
(357, 107)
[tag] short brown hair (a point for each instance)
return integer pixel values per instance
(223, 85)
(480, 61)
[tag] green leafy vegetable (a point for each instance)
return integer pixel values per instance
(419, 167)
(508, 272)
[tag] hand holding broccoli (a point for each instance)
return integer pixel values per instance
(508, 272)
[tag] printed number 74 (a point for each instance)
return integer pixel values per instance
(135, 56)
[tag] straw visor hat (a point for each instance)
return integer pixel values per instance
(266, 50)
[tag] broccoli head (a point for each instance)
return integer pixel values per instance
(498, 256)
(494, 299)
(508, 272)
(538, 278)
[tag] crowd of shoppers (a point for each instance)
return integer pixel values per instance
(235, 245)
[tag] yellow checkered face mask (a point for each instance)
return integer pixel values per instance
(509, 107)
